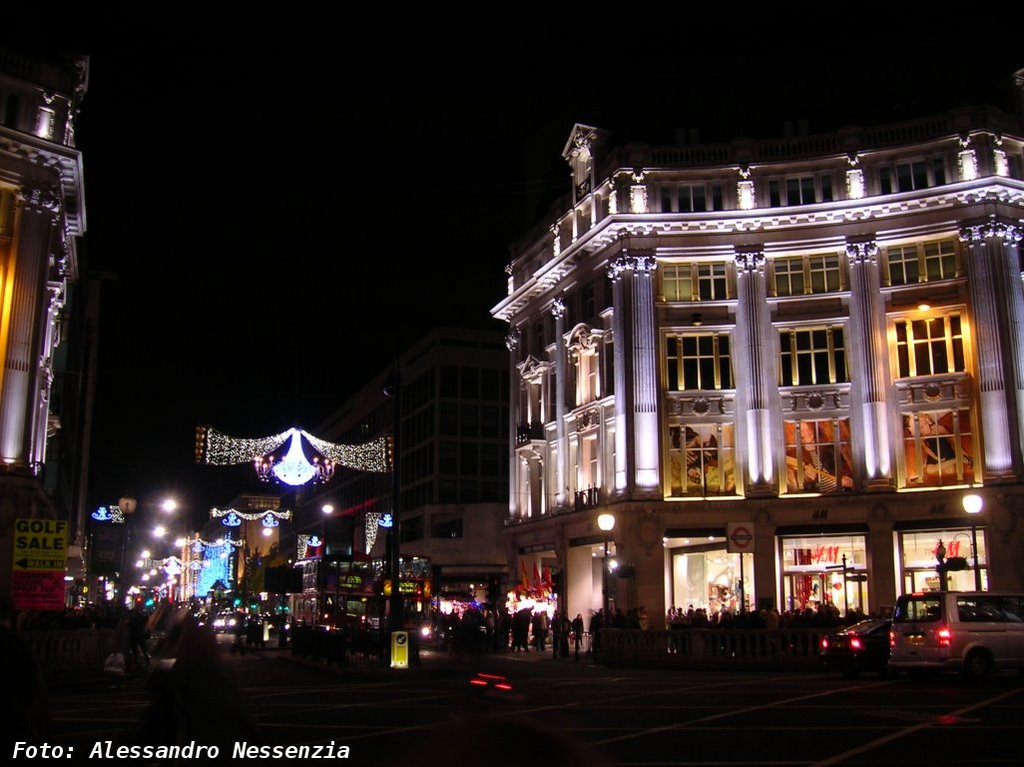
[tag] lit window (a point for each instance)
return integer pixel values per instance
(812, 356)
(695, 282)
(698, 362)
(930, 346)
(702, 460)
(923, 262)
(818, 456)
(802, 275)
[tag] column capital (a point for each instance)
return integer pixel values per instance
(626, 263)
(1002, 230)
(558, 308)
(750, 261)
(512, 339)
(862, 252)
(39, 200)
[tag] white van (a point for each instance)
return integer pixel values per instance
(973, 632)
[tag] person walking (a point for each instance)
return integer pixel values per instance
(137, 635)
(577, 634)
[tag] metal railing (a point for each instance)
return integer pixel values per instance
(718, 648)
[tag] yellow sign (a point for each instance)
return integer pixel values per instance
(399, 649)
(40, 544)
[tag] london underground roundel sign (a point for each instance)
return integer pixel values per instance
(740, 537)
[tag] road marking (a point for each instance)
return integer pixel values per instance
(909, 730)
(723, 715)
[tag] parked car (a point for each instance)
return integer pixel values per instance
(973, 632)
(861, 647)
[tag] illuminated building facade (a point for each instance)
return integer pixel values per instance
(780, 365)
(42, 215)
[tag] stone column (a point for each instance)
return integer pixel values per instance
(561, 456)
(991, 339)
(755, 373)
(1005, 244)
(633, 297)
(25, 280)
(869, 368)
(514, 403)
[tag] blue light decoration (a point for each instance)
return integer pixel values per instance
(314, 542)
(231, 520)
(386, 520)
(216, 566)
(109, 514)
(269, 520)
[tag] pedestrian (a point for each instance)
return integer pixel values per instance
(137, 636)
(577, 634)
(565, 629)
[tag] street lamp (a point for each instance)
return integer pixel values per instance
(607, 523)
(972, 504)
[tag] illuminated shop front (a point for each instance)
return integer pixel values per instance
(813, 572)
(705, 575)
(917, 556)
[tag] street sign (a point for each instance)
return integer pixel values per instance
(739, 537)
(34, 590)
(40, 557)
(40, 544)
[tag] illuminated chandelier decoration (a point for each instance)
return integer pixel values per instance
(294, 468)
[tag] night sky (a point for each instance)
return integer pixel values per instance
(284, 203)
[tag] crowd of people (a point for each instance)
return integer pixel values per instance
(824, 615)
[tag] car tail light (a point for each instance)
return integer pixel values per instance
(892, 638)
(856, 644)
(945, 637)
(824, 643)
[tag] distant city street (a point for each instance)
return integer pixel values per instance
(434, 714)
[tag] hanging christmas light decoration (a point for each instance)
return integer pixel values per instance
(370, 528)
(109, 514)
(231, 520)
(269, 520)
(216, 513)
(294, 468)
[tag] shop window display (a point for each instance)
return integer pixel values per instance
(702, 460)
(818, 456)
(938, 448)
(813, 573)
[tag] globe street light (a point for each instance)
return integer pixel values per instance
(607, 523)
(972, 504)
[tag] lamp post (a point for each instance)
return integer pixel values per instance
(607, 523)
(972, 504)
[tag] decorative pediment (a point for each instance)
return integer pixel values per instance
(582, 339)
(532, 369)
